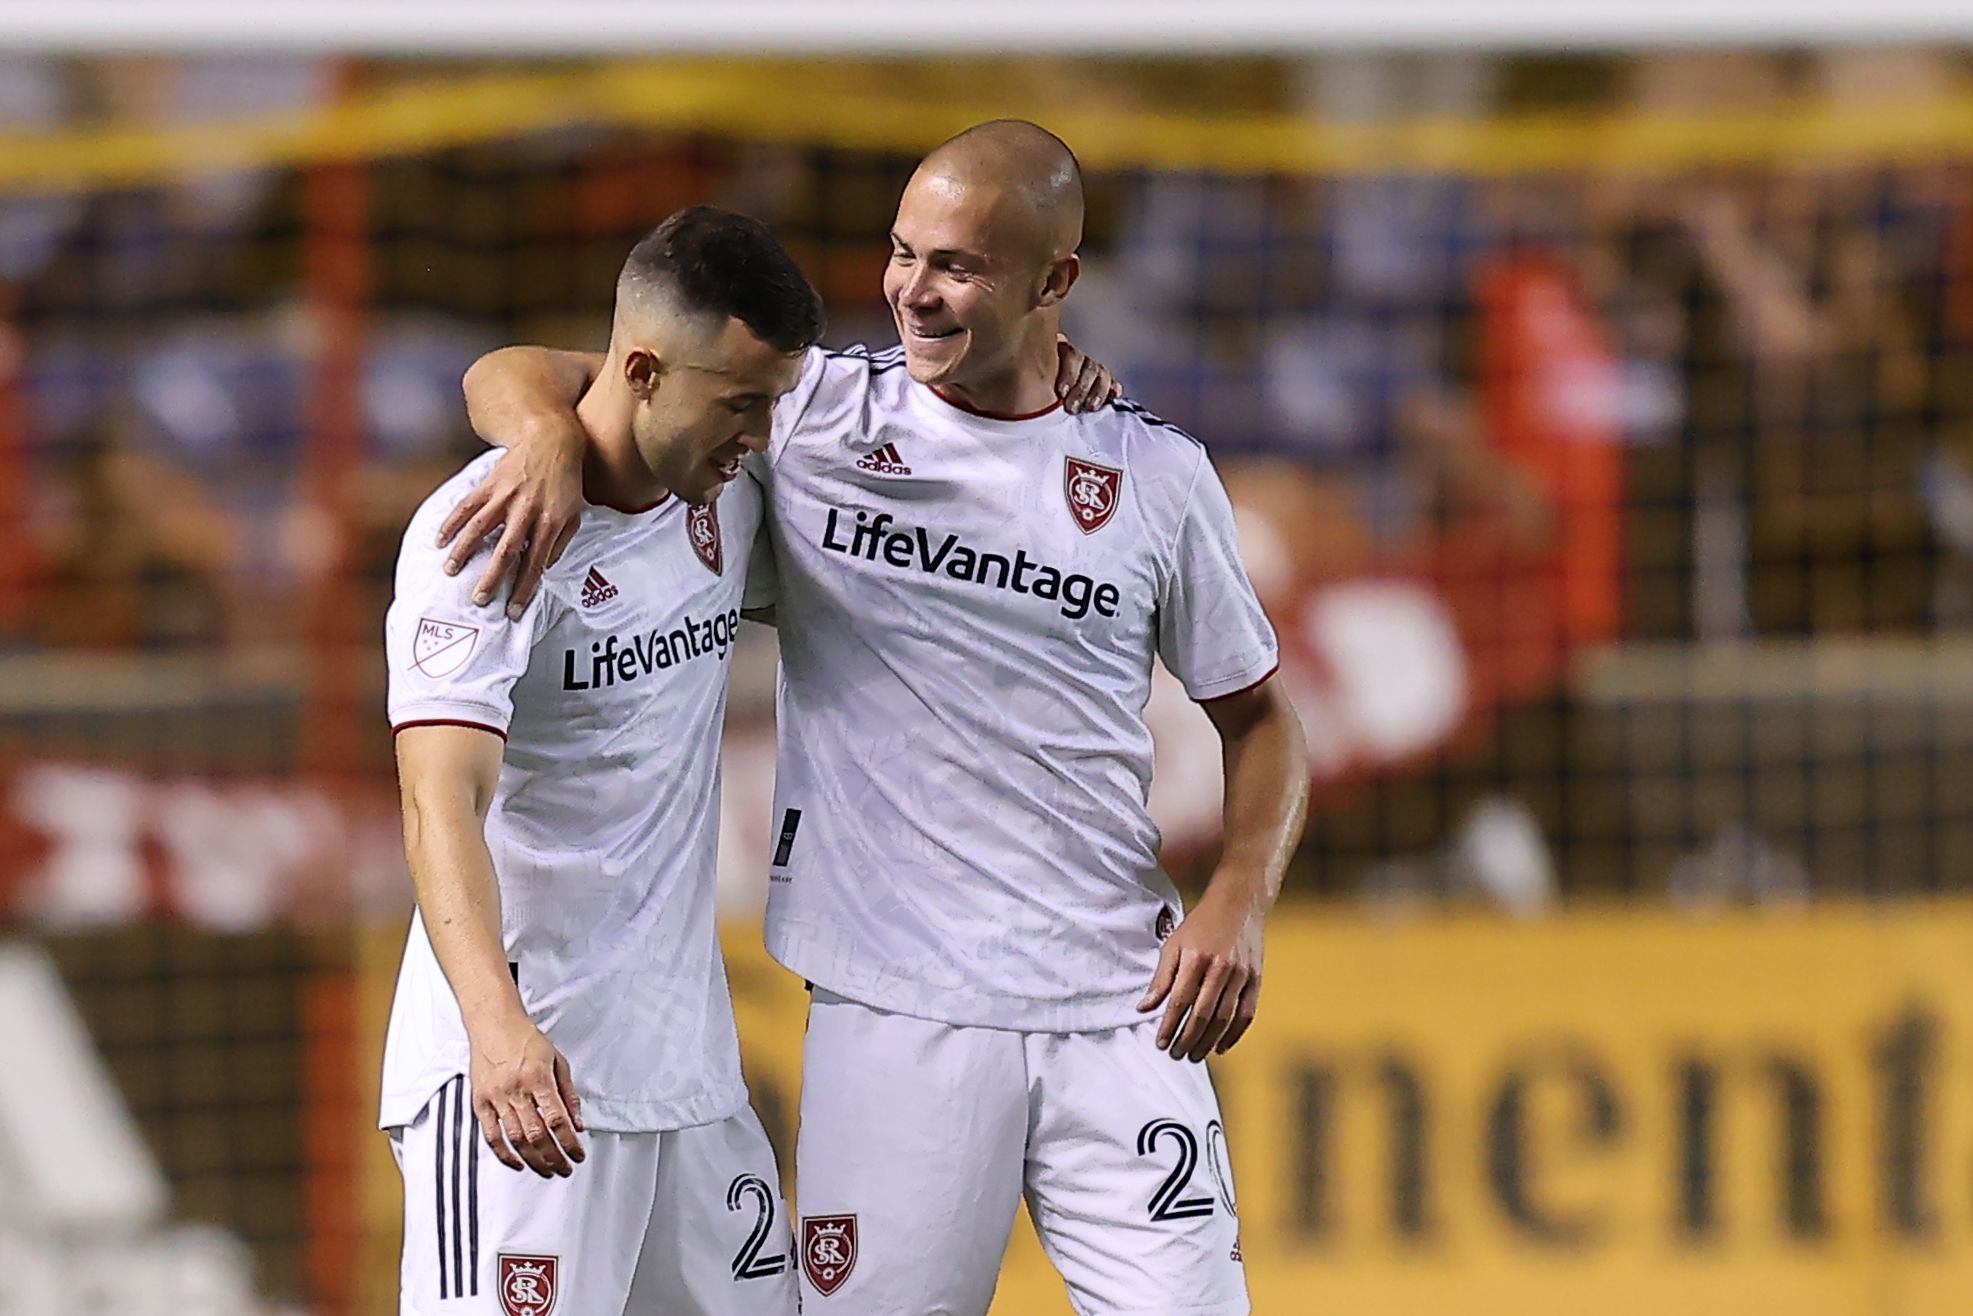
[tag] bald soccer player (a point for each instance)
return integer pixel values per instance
(562, 1006)
(973, 586)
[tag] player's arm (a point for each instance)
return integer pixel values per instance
(1209, 973)
(1216, 639)
(523, 1094)
(523, 399)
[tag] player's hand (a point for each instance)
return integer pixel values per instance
(1208, 979)
(1081, 381)
(533, 497)
(525, 1100)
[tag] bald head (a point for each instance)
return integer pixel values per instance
(983, 252)
(1031, 171)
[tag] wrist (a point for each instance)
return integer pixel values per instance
(495, 1018)
(1246, 887)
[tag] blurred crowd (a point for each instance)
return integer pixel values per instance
(1476, 420)
(1779, 349)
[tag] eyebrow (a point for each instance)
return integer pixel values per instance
(977, 257)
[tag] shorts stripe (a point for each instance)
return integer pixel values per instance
(438, 1188)
(470, 1148)
(458, 1233)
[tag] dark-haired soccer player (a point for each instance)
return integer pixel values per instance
(560, 786)
(973, 587)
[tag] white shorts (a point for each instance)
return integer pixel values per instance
(919, 1139)
(688, 1222)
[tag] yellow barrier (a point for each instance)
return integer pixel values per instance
(1601, 1115)
(907, 108)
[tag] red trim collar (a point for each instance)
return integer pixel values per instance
(971, 410)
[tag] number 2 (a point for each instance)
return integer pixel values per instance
(748, 1263)
(1166, 1204)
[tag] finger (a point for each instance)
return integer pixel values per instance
(1243, 1015)
(561, 1123)
(570, 1097)
(1161, 979)
(505, 554)
(536, 1147)
(1112, 388)
(495, 1139)
(485, 518)
(1200, 1021)
(1084, 394)
(1184, 990)
(563, 540)
(464, 511)
(1066, 367)
(535, 561)
(1220, 1018)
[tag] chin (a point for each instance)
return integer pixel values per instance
(702, 497)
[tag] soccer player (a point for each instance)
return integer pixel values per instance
(973, 586)
(562, 1004)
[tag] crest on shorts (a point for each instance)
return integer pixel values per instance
(1165, 924)
(442, 647)
(702, 525)
(528, 1284)
(828, 1250)
(1092, 491)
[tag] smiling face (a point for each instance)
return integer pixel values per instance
(966, 274)
(701, 409)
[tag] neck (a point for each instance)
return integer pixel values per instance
(614, 472)
(1025, 386)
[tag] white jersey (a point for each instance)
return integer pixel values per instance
(610, 692)
(969, 612)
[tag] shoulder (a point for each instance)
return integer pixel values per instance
(840, 392)
(1151, 450)
(420, 543)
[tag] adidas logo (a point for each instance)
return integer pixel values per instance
(884, 461)
(596, 590)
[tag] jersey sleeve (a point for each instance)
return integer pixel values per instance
(451, 660)
(763, 587)
(1212, 633)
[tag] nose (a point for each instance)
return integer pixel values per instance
(755, 433)
(917, 292)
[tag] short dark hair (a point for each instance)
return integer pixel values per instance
(719, 262)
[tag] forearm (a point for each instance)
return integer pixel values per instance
(1267, 779)
(459, 898)
(515, 391)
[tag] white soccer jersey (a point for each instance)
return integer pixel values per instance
(969, 611)
(610, 692)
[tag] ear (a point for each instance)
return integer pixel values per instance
(1061, 277)
(641, 371)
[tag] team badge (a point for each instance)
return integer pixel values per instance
(442, 647)
(828, 1250)
(527, 1284)
(702, 525)
(1092, 490)
(1165, 923)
